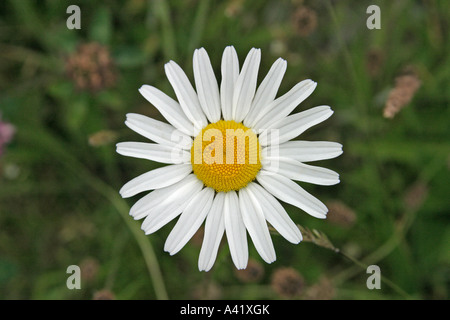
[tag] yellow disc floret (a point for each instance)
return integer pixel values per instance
(226, 155)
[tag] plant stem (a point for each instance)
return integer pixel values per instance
(162, 12)
(385, 280)
(320, 239)
(143, 242)
(198, 25)
(54, 147)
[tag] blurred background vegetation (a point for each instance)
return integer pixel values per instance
(63, 99)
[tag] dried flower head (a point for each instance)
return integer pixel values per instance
(91, 67)
(104, 294)
(340, 214)
(406, 86)
(287, 282)
(322, 290)
(74, 228)
(415, 195)
(7, 131)
(374, 61)
(317, 237)
(233, 8)
(304, 21)
(89, 269)
(102, 137)
(207, 291)
(253, 273)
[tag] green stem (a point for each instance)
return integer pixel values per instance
(361, 106)
(320, 239)
(385, 280)
(198, 25)
(347, 57)
(54, 147)
(162, 12)
(143, 242)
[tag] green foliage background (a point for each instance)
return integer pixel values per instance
(59, 201)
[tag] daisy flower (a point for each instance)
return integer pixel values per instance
(230, 157)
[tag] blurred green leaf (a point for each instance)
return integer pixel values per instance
(8, 269)
(100, 26)
(128, 56)
(76, 112)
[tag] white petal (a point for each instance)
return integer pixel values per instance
(214, 229)
(230, 73)
(285, 104)
(275, 214)
(186, 95)
(206, 84)
(158, 131)
(256, 225)
(235, 230)
(190, 220)
(288, 191)
(169, 209)
(155, 179)
(298, 171)
(154, 152)
(305, 151)
(245, 87)
(266, 92)
(169, 108)
(160, 198)
(294, 125)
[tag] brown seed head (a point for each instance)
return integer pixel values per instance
(406, 86)
(89, 269)
(340, 214)
(374, 61)
(415, 195)
(104, 294)
(287, 282)
(253, 273)
(322, 290)
(102, 138)
(91, 67)
(304, 21)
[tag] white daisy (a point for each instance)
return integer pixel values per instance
(230, 157)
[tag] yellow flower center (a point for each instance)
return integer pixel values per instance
(226, 155)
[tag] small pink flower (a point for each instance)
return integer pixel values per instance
(7, 131)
